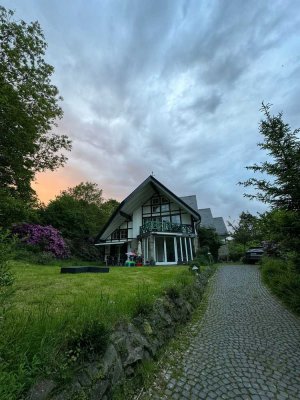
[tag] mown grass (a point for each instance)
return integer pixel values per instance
(283, 280)
(54, 319)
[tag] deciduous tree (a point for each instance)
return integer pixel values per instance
(29, 107)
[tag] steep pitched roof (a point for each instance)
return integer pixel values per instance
(139, 196)
(191, 201)
(206, 218)
(208, 221)
(220, 226)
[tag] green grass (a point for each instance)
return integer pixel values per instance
(54, 318)
(283, 280)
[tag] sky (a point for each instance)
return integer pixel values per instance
(172, 88)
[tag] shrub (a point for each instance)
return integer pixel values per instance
(236, 251)
(283, 279)
(42, 238)
(6, 252)
(85, 250)
(89, 341)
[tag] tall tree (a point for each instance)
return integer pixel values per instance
(86, 191)
(280, 185)
(281, 188)
(29, 107)
(246, 230)
(209, 238)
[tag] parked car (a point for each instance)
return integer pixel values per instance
(253, 255)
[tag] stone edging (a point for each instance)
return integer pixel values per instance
(129, 344)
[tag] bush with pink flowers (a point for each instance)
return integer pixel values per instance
(42, 238)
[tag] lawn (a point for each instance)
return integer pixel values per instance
(48, 311)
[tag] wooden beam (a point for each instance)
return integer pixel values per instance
(154, 188)
(128, 217)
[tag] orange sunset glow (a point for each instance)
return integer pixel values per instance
(49, 184)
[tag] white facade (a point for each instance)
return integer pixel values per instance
(155, 219)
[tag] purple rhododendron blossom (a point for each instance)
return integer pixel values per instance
(46, 238)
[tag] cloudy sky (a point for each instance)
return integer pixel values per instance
(172, 87)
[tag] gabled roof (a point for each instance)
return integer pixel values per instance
(220, 226)
(208, 221)
(191, 201)
(206, 218)
(139, 196)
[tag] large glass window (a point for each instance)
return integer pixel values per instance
(170, 249)
(159, 248)
(175, 219)
(115, 235)
(155, 209)
(178, 248)
(155, 200)
(165, 207)
(123, 233)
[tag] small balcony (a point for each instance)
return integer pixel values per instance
(165, 226)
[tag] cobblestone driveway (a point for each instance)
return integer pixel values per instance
(247, 346)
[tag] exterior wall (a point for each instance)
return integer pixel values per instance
(136, 222)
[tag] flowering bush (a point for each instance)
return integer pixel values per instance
(44, 238)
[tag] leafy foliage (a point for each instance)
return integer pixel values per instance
(79, 213)
(87, 192)
(283, 146)
(283, 280)
(210, 239)
(247, 230)
(14, 209)
(282, 228)
(236, 250)
(42, 238)
(6, 252)
(28, 106)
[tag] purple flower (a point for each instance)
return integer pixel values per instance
(46, 238)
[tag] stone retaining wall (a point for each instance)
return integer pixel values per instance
(129, 344)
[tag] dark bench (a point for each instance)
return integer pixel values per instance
(79, 270)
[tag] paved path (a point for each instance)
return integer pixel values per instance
(247, 346)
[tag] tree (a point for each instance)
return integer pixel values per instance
(28, 107)
(282, 188)
(208, 238)
(108, 207)
(15, 209)
(86, 191)
(76, 219)
(79, 213)
(246, 230)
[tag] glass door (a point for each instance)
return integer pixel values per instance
(160, 249)
(170, 248)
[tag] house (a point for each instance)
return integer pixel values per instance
(216, 223)
(155, 222)
(164, 224)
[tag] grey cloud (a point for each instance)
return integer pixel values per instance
(206, 104)
(170, 87)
